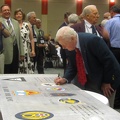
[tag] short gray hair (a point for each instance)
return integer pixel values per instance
(28, 16)
(104, 22)
(38, 20)
(73, 18)
(87, 10)
(65, 33)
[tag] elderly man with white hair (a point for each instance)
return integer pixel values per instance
(31, 17)
(101, 70)
(90, 16)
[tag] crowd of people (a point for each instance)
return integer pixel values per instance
(22, 44)
(99, 47)
(23, 47)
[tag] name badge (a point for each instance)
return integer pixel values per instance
(42, 41)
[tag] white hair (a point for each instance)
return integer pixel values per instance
(28, 16)
(104, 22)
(66, 33)
(107, 15)
(87, 10)
(73, 18)
(38, 20)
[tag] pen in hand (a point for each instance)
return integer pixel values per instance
(58, 79)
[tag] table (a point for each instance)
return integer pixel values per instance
(36, 97)
(100, 97)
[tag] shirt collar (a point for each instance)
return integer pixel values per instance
(77, 45)
(117, 15)
(87, 24)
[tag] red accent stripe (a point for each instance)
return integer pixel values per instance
(79, 7)
(44, 7)
(8, 2)
(111, 4)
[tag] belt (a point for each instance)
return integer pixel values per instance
(1, 52)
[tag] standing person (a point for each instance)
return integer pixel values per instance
(3, 33)
(73, 19)
(27, 65)
(13, 45)
(88, 24)
(40, 47)
(62, 51)
(101, 70)
(66, 22)
(31, 17)
(113, 26)
(90, 16)
(106, 17)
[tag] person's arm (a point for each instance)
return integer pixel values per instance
(70, 71)
(106, 34)
(108, 63)
(4, 31)
(42, 45)
(107, 89)
(60, 81)
(32, 42)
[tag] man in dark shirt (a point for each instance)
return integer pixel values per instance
(40, 47)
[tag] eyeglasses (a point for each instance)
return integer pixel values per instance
(96, 14)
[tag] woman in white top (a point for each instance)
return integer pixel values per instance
(26, 66)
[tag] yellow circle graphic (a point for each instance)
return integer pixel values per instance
(68, 100)
(34, 115)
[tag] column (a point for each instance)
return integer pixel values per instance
(79, 7)
(44, 9)
(111, 3)
(8, 2)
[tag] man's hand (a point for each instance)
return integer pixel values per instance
(107, 89)
(32, 54)
(22, 58)
(60, 81)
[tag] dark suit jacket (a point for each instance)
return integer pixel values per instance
(63, 24)
(80, 27)
(100, 63)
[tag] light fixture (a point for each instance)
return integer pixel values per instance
(112, 1)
